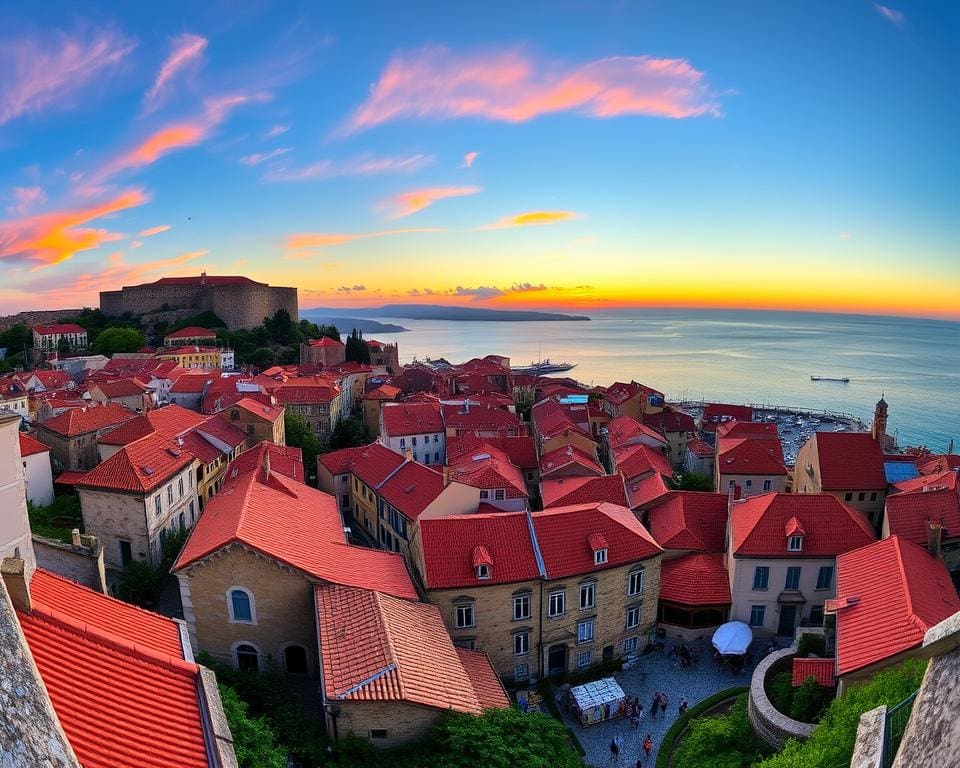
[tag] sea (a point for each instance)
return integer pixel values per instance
(759, 357)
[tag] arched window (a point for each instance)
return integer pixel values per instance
(240, 606)
(295, 659)
(248, 658)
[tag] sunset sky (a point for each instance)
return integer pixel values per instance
(525, 154)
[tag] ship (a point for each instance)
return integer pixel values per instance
(543, 366)
(842, 379)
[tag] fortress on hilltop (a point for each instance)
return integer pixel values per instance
(239, 301)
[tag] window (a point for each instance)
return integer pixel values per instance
(557, 604)
(483, 571)
(170, 494)
(766, 485)
(588, 595)
(599, 556)
(126, 555)
(521, 643)
(467, 643)
(182, 521)
(630, 645)
(521, 671)
(633, 616)
(733, 484)
(585, 631)
(240, 605)
(180, 486)
(848, 496)
(584, 658)
(529, 477)
(247, 657)
(436, 457)
(426, 458)
(498, 494)
(521, 607)
(295, 660)
(190, 475)
(825, 577)
(403, 442)
(157, 505)
(795, 544)
(484, 494)
(816, 615)
(793, 577)
(861, 496)
(413, 442)
(873, 496)
(757, 613)
(464, 616)
(748, 484)
(193, 517)
(761, 575)
(378, 733)
(635, 582)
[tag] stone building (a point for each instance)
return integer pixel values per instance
(323, 352)
(239, 301)
(72, 436)
(258, 420)
(384, 355)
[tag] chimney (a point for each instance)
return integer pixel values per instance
(934, 536)
(75, 537)
(265, 463)
(13, 570)
(446, 475)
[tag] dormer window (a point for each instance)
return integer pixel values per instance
(598, 545)
(794, 533)
(482, 562)
(483, 571)
(599, 556)
(795, 544)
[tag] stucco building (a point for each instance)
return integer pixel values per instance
(72, 436)
(37, 471)
(48, 338)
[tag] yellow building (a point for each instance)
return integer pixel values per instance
(192, 357)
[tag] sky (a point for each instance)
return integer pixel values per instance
(509, 155)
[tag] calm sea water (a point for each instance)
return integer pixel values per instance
(737, 356)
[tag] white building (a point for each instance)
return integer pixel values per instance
(37, 471)
(414, 428)
(227, 360)
(15, 538)
(47, 337)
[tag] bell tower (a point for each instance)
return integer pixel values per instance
(879, 429)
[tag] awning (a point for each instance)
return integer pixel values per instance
(791, 598)
(733, 638)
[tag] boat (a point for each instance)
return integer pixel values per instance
(543, 366)
(842, 379)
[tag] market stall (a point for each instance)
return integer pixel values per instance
(597, 701)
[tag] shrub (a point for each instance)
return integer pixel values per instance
(253, 739)
(780, 690)
(809, 700)
(811, 644)
(139, 583)
(57, 520)
(721, 741)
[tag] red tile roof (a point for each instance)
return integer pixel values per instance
(479, 417)
(689, 520)
(750, 456)
(194, 382)
(487, 471)
(140, 466)
(758, 524)
(717, 413)
(116, 678)
(448, 544)
(619, 392)
(698, 447)
(849, 461)
(646, 491)
(931, 465)
(325, 341)
(254, 407)
(937, 499)
(30, 446)
(411, 489)
(521, 451)
(383, 392)
(379, 648)
(373, 463)
(563, 537)
(670, 421)
(411, 419)
(696, 579)
(204, 280)
(566, 455)
(308, 534)
(89, 418)
(48, 330)
(339, 462)
(551, 419)
(583, 490)
(49, 379)
(486, 684)
(821, 670)
(169, 421)
(624, 429)
(308, 394)
(893, 592)
(122, 388)
(191, 332)
(738, 429)
(635, 460)
(69, 477)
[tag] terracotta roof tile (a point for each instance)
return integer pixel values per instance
(583, 490)
(696, 579)
(698, 447)
(403, 419)
(483, 470)
(750, 456)
(47, 330)
(411, 489)
(479, 417)
(624, 429)
(938, 499)
(849, 461)
(565, 456)
(669, 420)
(821, 670)
(89, 418)
(30, 446)
(645, 491)
(140, 466)
(521, 451)
(689, 520)
(635, 460)
(191, 332)
(486, 684)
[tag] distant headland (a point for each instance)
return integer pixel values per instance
(443, 312)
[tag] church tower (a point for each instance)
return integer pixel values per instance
(879, 429)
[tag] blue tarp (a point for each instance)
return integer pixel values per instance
(898, 471)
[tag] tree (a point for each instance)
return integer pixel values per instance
(357, 349)
(114, 340)
(300, 435)
(262, 357)
(349, 433)
(809, 700)
(139, 583)
(253, 739)
(63, 347)
(721, 741)
(281, 328)
(692, 481)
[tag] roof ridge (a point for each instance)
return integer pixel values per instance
(391, 647)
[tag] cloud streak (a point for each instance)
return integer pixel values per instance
(469, 158)
(892, 15)
(304, 244)
(407, 203)
(532, 219)
(440, 84)
(186, 50)
(261, 157)
(151, 231)
(49, 75)
(362, 165)
(26, 198)
(51, 238)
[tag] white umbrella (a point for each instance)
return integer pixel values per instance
(732, 638)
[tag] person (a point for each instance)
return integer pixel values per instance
(639, 763)
(683, 706)
(614, 750)
(648, 745)
(656, 703)
(663, 704)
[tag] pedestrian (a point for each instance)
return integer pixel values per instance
(639, 763)
(683, 706)
(648, 745)
(656, 703)
(663, 704)
(614, 751)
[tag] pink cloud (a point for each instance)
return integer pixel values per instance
(363, 165)
(437, 83)
(151, 231)
(407, 203)
(302, 245)
(892, 15)
(26, 198)
(50, 74)
(51, 238)
(469, 158)
(276, 130)
(186, 49)
(261, 157)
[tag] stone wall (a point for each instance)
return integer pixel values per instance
(37, 317)
(82, 563)
(771, 725)
(402, 722)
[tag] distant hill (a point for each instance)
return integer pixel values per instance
(442, 312)
(347, 324)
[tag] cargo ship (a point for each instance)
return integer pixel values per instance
(841, 379)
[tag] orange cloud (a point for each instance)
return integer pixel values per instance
(51, 238)
(437, 83)
(533, 218)
(407, 203)
(186, 49)
(49, 74)
(300, 244)
(151, 231)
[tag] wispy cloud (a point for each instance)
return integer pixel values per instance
(362, 165)
(276, 130)
(351, 289)
(533, 218)
(527, 288)
(407, 203)
(437, 83)
(261, 157)
(892, 15)
(845, 235)
(37, 75)
(185, 51)
(151, 231)
(26, 198)
(51, 238)
(480, 292)
(305, 244)
(468, 159)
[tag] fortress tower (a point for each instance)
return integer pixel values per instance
(879, 428)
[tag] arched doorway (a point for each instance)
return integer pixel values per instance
(557, 660)
(247, 658)
(295, 660)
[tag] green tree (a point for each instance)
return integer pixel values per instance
(809, 699)
(16, 338)
(63, 347)
(139, 583)
(113, 340)
(300, 435)
(721, 741)
(349, 433)
(262, 357)
(254, 741)
(357, 349)
(281, 328)
(692, 481)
